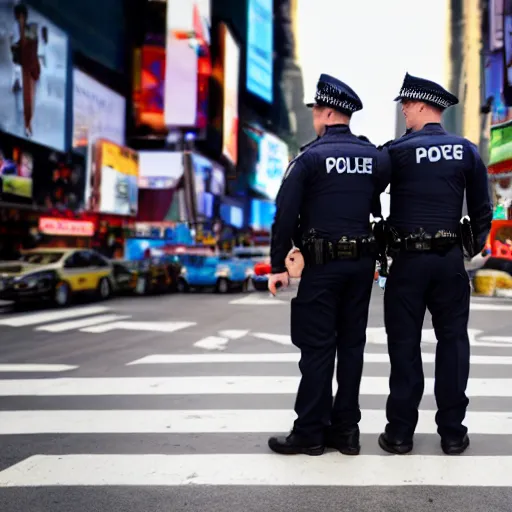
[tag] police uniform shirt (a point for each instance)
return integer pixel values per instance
(331, 186)
(431, 169)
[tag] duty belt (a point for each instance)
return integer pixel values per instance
(318, 251)
(421, 241)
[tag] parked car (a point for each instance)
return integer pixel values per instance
(143, 277)
(57, 275)
(223, 273)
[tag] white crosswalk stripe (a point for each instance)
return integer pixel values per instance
(87, 319)
(29, 319)
(198, 399)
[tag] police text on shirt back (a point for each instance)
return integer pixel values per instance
(350, 165)
(444, 152)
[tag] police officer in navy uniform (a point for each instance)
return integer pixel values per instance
(330, 186)
(431, 169)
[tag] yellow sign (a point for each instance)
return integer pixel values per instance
(123, 160)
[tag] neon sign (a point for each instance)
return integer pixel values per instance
(64, 227)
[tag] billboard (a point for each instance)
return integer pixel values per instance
(262, 215)
(494, 80)
(268, 162)
(209, 184)
(507, 49)
(500, 148)
(98, 112)
(35, 175)
(232, 215)
(33, 76)
(111, 185)
(260, 49)
(231, 68)
(187, 63)
(160, 169)
(496, 8)
(148, 89)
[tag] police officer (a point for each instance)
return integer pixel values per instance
(330, 186)
(431, 170)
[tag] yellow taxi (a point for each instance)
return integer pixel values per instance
(56, 274)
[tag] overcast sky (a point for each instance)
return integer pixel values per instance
(370, 44)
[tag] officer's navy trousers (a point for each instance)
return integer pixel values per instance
(418, 281)
(329, 316)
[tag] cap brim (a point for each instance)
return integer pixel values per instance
(398, 98)
(310, 105)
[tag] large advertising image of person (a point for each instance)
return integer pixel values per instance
(33, 74)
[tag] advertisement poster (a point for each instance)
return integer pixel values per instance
(160, 169)
(260, 49)
(500, 148)
(187, 54)
(496, 8)
(494, 78)
(262, 215)
(266, 157)
(112, 183)
(209, 184)
(148, 95)
(35, 175)
(98, 112)
(507, 38)
(33, 76)
(231, 81)
(16, 169)
(272, 163)
(232, 215)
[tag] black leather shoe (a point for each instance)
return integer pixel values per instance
(455, 446)
(294, 445)
(346, 442)
(395, 446)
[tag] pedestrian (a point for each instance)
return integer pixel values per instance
(331, 186)
(431, 171)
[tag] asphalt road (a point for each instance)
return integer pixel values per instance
(166, 403)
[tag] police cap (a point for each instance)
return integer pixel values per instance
(333, 93)
(426, 91)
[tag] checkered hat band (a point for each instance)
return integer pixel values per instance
(424, 95)
(333, 97)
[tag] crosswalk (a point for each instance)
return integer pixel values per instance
(204, 418)
(99, 319)
(87, 319)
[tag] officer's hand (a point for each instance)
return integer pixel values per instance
(294, 263)
(283, 279)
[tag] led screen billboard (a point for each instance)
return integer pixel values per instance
(33, 76)
(269, 162)
(187, 63)
(112, 181)
(231, 64)
(262, 215)
(98, 112)
(260, 49)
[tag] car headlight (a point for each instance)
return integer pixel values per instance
(32, 280)
(249, 272)
(223, 272)
(183, 271)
